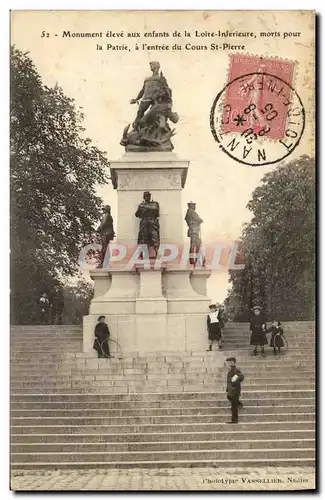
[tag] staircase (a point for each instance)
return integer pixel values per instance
(150, 410)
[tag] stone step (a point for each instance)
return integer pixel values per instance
(47, 337)
(130, 388)
(154, 456)
(288, 330)
(292, 346)
(234, 435)
(33, 350)
(309, 324)
(302, 335)
(158, 357)
(26, 328)
(16, 341)
(76, 360)
(166, 428)
(282, 357)
(147, 397)
(219, 463)
(145, 412)
(126, 368)
(104, 390)
(158, 409)
(88, 447)
(91, 362)
(164, 379)
(107, 387)
(271, 360)
(187, 372)
(259, 369)
(118, 406)
(30, 353)
(143, 419)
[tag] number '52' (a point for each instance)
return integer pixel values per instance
(45, 34)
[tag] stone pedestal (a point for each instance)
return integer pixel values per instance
(160, 305)
(164, 175)
(150, 299)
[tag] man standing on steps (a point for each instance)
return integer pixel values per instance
(234, 380)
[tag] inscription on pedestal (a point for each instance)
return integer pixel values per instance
(144, 179)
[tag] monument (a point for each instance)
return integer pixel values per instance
(151, 291)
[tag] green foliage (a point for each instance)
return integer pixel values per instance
(77, 301)
(279, 247)
(54, 174)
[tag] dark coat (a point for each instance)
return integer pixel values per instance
(276, 331)
(258, 335)
(234, 388)
(101, 333)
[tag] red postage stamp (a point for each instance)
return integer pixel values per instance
(257, 107)
(253, 92)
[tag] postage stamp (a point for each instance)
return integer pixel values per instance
(258, 118)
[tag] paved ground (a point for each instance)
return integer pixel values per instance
(275, 478)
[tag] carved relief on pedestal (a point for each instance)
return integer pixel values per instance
(146, 180)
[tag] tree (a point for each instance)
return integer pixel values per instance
(279, 247)
(54, 172)
(77, 299)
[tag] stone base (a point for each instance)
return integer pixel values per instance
(167, 146)
(151, 332)
(150, 291)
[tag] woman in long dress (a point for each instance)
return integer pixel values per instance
(258, 330)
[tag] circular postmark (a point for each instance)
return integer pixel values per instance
(257, 119)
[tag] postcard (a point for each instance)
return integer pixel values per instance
(162, 168)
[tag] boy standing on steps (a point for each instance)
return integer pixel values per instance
(214, 326)
(234, 380)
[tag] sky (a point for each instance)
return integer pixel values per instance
(103, 82)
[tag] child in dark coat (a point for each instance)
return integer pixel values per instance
(101, 338)
(277, 340)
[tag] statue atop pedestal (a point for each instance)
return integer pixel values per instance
(148, 213)
(194, 222)
(150, 129)
(106, 231)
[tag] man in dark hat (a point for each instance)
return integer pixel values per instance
(214, 326)
(234, 380)
(101, 338)
(193, 221)
(258, 330)
(106, 230)
(148, 213)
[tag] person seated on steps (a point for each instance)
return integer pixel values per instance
(276, 340)
(258, 330)
(101, 338)
(234, 380)
(214, 326)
